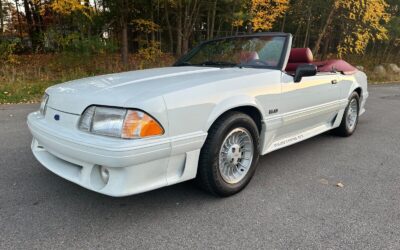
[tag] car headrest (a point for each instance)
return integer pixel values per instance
(247, 56)
(301, 55)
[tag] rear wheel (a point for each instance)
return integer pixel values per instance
(350, 117)
(230, 155)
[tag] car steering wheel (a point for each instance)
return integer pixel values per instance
(258, 62)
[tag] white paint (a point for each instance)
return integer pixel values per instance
(186, 101)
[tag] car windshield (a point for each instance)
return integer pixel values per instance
(246, 51)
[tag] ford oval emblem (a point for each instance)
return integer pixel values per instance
(57, 117)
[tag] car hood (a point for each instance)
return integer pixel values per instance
(129, 89)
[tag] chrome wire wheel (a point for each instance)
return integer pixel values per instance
(236, 155)
(352, 114)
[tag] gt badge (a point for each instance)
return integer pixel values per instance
(273, 111)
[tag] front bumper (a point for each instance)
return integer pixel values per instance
(134, 166)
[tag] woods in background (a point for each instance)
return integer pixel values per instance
(44, 42)
(339, 27)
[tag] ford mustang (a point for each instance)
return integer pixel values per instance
(208, 117)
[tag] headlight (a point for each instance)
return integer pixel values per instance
(117, 122)
(43, 104)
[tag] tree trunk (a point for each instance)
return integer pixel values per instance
(153, 34)
(96, 10)
(307, 37)
(19, 19)
(327, 42)
(213, 19)
(124, 19)
(219, 28)
(1, 18)
(179, 29)
(283, 23)
(29, 21)
(324, 29)
(208, 24)
(296, 35)
(185, 44)
(124, 43)
(36, 17)
(186, 25)
(170, 35)
(386, 53)
(190, 19)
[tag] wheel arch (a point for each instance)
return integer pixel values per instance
(359, 91)
(246, 105)
(359, 84)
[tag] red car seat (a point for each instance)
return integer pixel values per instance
(297, 57)
(300, 56)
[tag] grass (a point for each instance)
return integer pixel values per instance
(26, 79)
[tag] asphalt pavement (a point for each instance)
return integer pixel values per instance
(293, 202)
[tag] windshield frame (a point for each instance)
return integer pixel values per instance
(279, 66)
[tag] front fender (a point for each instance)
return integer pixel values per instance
(232, 103)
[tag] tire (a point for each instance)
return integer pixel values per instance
(349, 123)
(228, 147)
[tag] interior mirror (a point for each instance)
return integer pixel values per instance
(305, 70)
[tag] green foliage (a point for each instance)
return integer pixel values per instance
(76, 43)
(149, 55)
(70, 39)
(22, 92)
(7, 51)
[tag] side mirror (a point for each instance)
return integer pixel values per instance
(305, 70)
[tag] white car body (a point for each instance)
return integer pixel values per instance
(185, 101)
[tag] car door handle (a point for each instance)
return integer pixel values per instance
(334, 81)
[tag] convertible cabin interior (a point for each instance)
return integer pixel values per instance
(301, 56)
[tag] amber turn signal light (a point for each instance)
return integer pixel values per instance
(138, 124)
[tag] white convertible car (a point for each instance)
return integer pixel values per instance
(209, 117)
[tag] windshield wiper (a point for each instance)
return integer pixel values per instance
(184, 64)
(217, 63)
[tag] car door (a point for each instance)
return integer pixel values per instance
(310, 103)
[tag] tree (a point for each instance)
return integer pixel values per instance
(186, 18)
(1, 18)
(364, 23)
(328, 22)
(120, 12)
(359, 23)
(211, 15)
(330, 27)
(264, 13)
(68, 7)
(33, 35)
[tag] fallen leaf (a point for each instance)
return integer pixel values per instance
(339, 184)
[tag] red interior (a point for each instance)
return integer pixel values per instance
(247, 56)
(300, 56)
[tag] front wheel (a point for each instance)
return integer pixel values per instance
(350, 117)
(230, 155)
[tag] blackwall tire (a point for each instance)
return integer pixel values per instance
(350, 118)
(226, 165)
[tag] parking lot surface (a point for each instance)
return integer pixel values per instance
(293, 202)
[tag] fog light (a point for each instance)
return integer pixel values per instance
(105, 174)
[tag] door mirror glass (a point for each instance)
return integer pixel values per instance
(305, 70)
